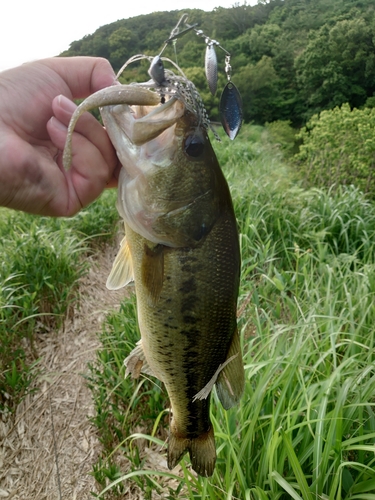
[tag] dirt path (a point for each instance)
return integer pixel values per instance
(51, 446)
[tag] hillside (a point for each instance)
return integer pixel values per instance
(290, 58)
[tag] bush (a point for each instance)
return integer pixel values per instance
(339, 149)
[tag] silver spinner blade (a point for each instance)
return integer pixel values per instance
(210, 63)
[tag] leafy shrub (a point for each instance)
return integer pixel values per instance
(339, 149)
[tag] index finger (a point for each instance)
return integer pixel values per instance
(83, 75)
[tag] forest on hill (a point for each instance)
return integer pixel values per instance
(290, 59)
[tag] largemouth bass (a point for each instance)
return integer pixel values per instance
(181, 249)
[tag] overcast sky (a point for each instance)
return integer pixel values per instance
(33, 29)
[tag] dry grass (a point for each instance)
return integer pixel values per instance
(47, 449)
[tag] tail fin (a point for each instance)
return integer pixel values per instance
(202, 452)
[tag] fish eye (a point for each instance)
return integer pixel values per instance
(194, 146)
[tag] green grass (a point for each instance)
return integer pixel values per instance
(42, 260)
(305, 428)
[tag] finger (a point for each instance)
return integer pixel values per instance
(113, 183)
(83, 75)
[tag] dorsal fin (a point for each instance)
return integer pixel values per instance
(229, 377)
(205, 392)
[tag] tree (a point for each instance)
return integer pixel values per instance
(338, 65)
(258, 84)
(290, 58)
(121, 42)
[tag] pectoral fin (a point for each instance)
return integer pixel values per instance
(153, 271)
(122, 268)
(231, 380)
(136, 362)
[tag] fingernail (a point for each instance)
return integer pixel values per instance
(57, 124)
(66, 104)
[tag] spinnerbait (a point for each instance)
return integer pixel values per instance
(167, 83)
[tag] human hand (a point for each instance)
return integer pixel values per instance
(35, 110)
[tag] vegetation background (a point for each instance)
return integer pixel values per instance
(301, 174)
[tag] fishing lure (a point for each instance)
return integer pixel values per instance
(167, 83)
(230, 107)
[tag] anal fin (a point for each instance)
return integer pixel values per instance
(231, 379)
(205, 392)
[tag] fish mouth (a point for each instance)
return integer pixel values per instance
(148, 122)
